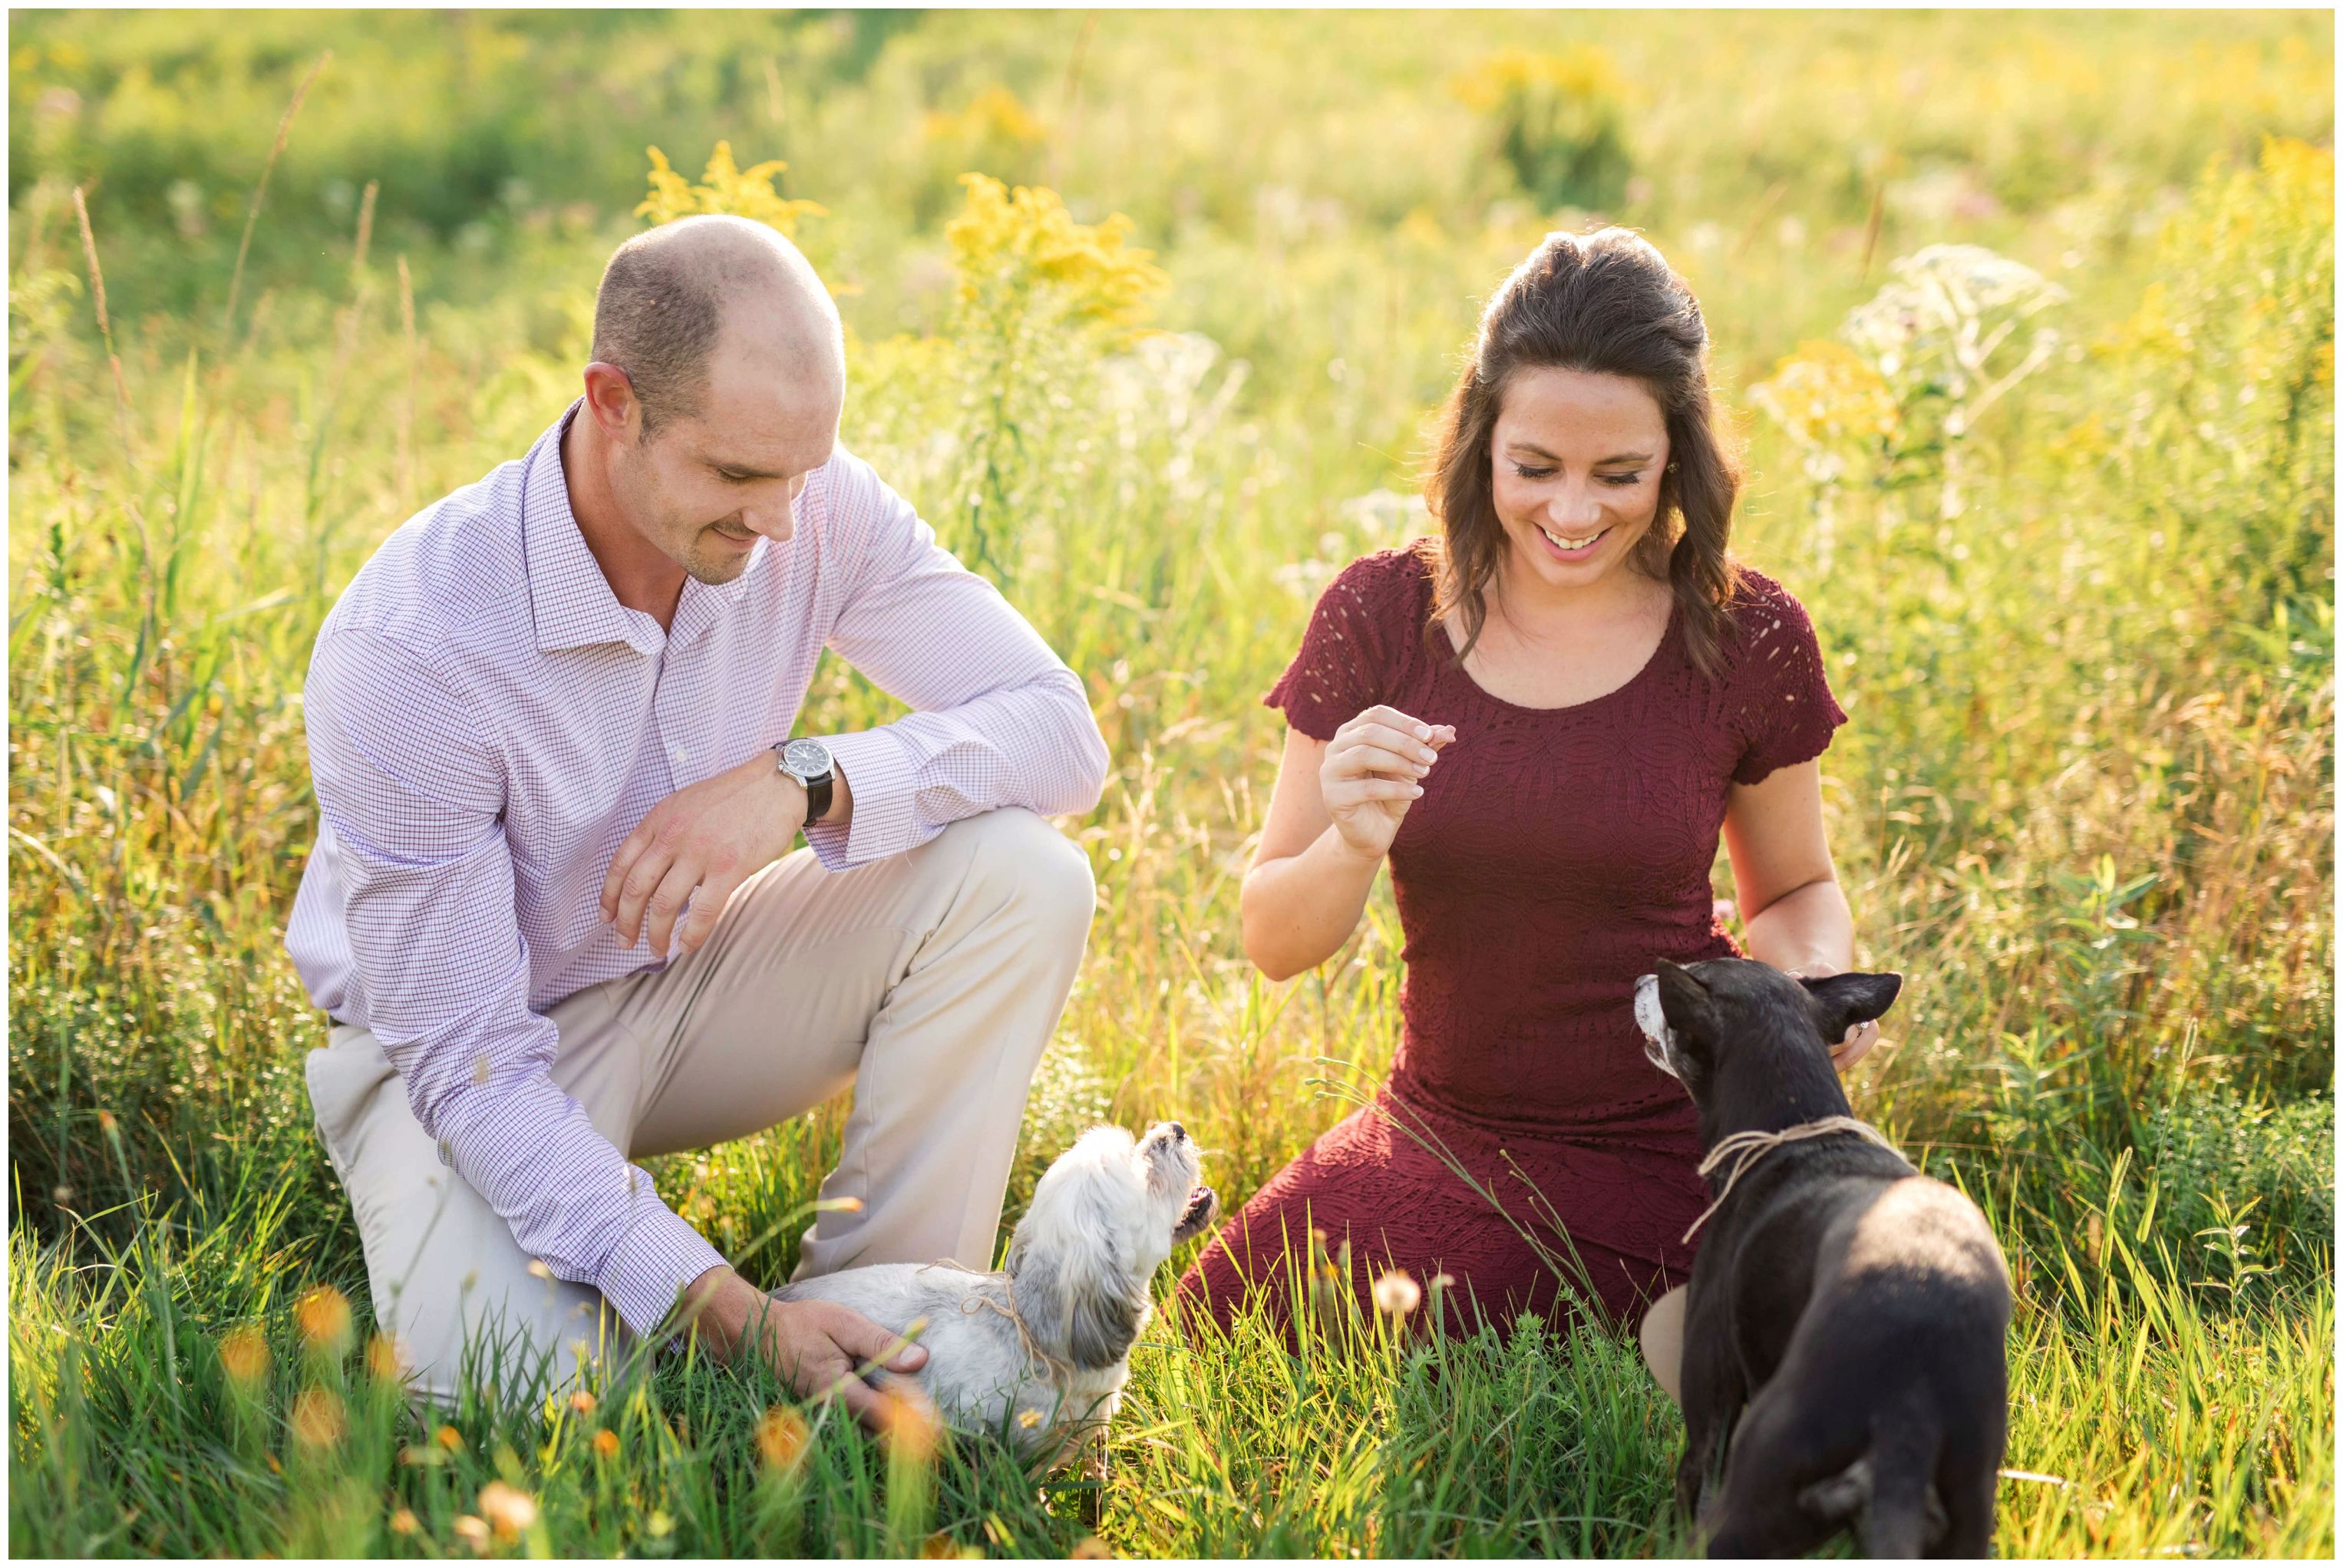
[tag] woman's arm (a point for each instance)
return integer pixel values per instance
(1331, 816)
(1792, 909)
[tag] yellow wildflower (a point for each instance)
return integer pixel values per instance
(1824, 393)
(606, 1444)
(724, 187)
(1585, 71)
(384, 1359)
(995, 120)
(473, 1531)
(1008, 243)
(317, 1418)
(910, 1427)
(244, 1353)
(782, 1437)
(507, 1509)
(323, 1316)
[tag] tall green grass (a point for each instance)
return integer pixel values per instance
(2085, 801)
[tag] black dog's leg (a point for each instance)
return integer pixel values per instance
(1713, 1392)
(1967, 1492)
(1766, 1506)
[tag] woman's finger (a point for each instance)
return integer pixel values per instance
(1361, 760)
(1406, 723)
(1360, 791)
(1384, 737)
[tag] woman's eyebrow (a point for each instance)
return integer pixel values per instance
(1535, 450)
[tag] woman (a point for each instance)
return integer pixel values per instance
(1543, 718)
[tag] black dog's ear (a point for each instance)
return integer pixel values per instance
(1842, 1001)
(1685, 1003)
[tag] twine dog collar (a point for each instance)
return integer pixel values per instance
(1745, 1149)
(1059, 1375)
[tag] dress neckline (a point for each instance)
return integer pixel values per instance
(1452, 665)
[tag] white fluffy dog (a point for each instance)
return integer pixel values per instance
(1038, 1352)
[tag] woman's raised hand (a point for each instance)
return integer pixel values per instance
(1373, 772)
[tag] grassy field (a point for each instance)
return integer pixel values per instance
(2073, 580)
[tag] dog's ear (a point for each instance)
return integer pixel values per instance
(1076, 1306)
(1842, 1001)
(1689, 1008)
(1101, 1326)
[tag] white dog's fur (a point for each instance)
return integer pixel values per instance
(1659, 1040)
(1038, 1352)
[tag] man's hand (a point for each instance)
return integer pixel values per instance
(816, 1346)
(697, 847)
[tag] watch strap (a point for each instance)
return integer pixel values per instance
(817, 790)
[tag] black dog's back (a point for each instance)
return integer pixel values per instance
(1885, 1409)
(1843, 1342)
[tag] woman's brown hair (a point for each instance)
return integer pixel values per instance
(1605, 302)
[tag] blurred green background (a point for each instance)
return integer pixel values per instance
(2023, 322)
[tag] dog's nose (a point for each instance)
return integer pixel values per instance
(1179, 1133)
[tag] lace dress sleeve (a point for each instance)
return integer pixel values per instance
(1342, 667)
(1786, 710)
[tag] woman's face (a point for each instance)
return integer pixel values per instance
(1574, 470)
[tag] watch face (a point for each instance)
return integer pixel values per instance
(807, 758)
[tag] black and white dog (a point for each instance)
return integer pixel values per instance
(1843, 1336)
(1038, 1351)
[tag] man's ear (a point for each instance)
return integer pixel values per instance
(610, 400)
(1685, 1002)
(1842, 1001)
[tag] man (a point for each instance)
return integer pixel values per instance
(550, 911)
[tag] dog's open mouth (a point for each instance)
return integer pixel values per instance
(1204, 1203)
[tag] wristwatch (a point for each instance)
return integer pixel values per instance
(808, 762)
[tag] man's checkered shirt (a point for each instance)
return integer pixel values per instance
(486, 723)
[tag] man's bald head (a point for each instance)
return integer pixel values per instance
(671, 294)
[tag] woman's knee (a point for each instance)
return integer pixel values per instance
(1661, 1335)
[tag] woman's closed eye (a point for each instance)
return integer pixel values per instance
(1617, 481)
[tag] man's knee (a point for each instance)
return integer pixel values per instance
(1033, 870)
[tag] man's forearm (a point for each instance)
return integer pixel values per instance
(1033, 745)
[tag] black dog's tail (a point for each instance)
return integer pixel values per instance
(1889, 1494)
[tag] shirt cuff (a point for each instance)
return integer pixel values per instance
(886, 787)
(660, 1254)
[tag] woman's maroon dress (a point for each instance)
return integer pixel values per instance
(1552, 856)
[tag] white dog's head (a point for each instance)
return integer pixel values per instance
(1104, 1218)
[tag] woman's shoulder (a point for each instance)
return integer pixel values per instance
(1772, 637)
(1401, 569)
(1760, 607)
(1387, 586)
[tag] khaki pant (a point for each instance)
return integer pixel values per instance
(930, 982)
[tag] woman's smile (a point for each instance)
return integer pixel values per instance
(1569, 548)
